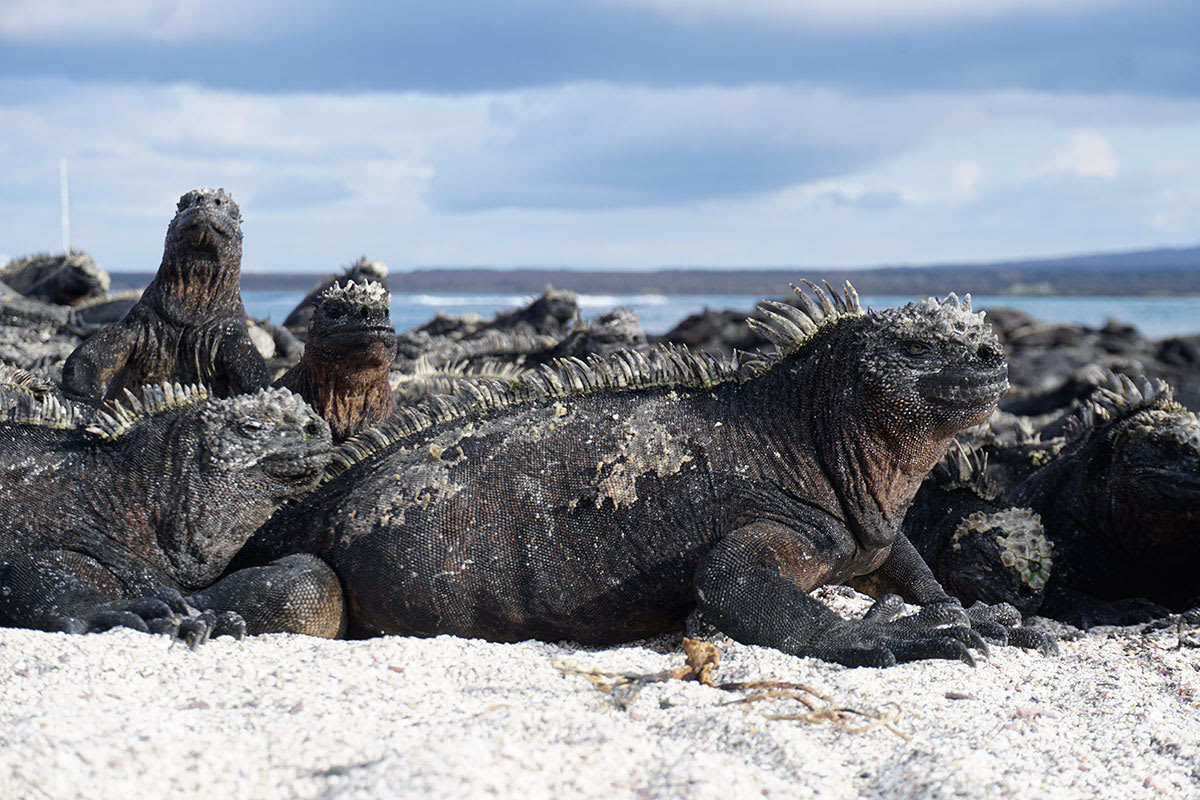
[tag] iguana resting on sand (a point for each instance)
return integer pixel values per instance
(189, 325)
(105, 522)
(349, 352)
(621, 493)
(1121, 506)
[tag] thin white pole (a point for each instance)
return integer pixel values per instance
(65, 202)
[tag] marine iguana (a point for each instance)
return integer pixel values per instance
(350, 349)
(189, 325)
(979, 547)
(361, 271)
(1121, 505)
(64, 279)
(109, 514)
(601, 501)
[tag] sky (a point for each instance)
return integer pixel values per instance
(605, 133)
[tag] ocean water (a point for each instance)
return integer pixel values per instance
(1156, 317)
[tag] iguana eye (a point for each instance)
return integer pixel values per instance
(251, 427)
(917, 349)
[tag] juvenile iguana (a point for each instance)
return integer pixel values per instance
(108, 515)
(350, 349)
(602, 501)
(189, 325)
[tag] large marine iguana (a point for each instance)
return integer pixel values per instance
(189, 325)
(109, 514)
(620, 493)
(350, 349)
(1121, 506)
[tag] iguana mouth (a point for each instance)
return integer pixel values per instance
(966, 387)
(365, 332)
(293, 465)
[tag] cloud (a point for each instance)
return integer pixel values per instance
(599, 174)
(170, 21)
(1087, 154)
(964, 177)
(596, 146)
(858, 14)
(487, 46)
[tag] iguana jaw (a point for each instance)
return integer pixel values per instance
(966, 386)
(298, 464)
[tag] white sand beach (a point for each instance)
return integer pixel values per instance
(124, 714)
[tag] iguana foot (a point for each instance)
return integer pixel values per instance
(162, 611)
(882, 638)
(1000, 623)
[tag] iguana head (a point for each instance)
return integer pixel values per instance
(201, 268)
(271, 439)
(1143, 451)
(208, 221)
(351, 328)
(201, 474)
(936, 365)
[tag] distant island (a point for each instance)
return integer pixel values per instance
(1147, 273)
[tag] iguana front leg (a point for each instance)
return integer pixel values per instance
(62, 590)
(754, 586)
(89, 368)
(905, 573)
(299, 593)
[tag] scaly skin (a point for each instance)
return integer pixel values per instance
(189, 325)
(349, 353)
(980, 549)
(620, 494)
(1121, 506)
(106, 523)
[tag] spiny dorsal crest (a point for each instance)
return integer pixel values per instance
(118, 417)
(1119, 397)
(17, 378)
(26, 399)
(663, 366)
(965, 467)
(789, 327)
(425, 378)
(368, 293)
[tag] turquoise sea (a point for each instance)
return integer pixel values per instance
(1156, 317)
